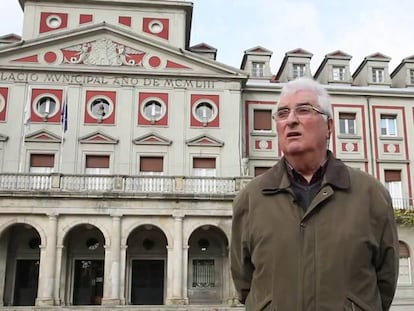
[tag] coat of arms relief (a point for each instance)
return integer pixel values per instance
(103, 52)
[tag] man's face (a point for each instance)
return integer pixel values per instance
(302, 133)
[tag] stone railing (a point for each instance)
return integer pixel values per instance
(115, 183)
(135, 184)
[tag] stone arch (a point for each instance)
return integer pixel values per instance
(64, 232)
(200, 224)
(28, 221)
(127, 232)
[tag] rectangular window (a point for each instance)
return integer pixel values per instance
(378, 75)
(298, 70)
(262, 120)
(347, 123)
(394, 185)
(203, 273)
(404, 276)
(258, 69)
(151, 165)
(204, 167)
(388, 125)
(42, 163)
(338, 73)
(97, 164)
(259, 170)
(411, 76)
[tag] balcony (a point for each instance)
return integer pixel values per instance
(116, 184)
(133, 185)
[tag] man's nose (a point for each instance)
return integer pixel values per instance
(292, 118)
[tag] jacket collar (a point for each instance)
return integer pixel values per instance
(276, 179)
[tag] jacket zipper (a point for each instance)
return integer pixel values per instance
(301, 280)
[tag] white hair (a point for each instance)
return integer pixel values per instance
(307, 84)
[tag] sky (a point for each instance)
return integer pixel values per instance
(356, 27)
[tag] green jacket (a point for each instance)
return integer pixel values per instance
(341, 254)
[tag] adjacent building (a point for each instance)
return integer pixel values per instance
(122, 148)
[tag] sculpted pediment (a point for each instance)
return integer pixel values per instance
(43, 136)
(98, 138)
(152, 139)
(107, 46)
(205, 141)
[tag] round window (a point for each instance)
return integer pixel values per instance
(156, 26)
(205, 111)
(46, 106)
(153, 110)
(54, 21)
(100, 108)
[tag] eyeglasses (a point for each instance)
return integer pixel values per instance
(301, 111)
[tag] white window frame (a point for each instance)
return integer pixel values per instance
(338, 73)
(298, 70)
(389, 125)
(378, 75)
(411, 73)
(347, 125)
(404, 275)
(395, 189)
(258, 69)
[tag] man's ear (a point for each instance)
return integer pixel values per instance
(330, 128)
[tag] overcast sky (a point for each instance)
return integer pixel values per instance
(357, 27)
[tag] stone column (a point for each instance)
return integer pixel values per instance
(58, 271)
(112, 267)
(170, 268)
(177, 264)
(122, 281)
(47, 265)
(185, 274)
(230, 290)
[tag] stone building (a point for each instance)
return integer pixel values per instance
(122, 147)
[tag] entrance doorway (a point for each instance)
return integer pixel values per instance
(88, 282)
(27, 276)
(147, 282)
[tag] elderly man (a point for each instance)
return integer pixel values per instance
(312, 234)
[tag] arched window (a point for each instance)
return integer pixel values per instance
(404, 276)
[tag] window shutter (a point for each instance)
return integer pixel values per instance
(151, 164)
(347, 115)
(97, 161)
(392, 175)
(262, 120)
(404, 252)
(42, 160)
(259, 170)
(204, 163)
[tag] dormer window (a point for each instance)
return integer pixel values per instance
(338, 73)
(258, 69)
(378, 75)
(298, 70)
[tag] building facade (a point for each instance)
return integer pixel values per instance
(122, 148)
